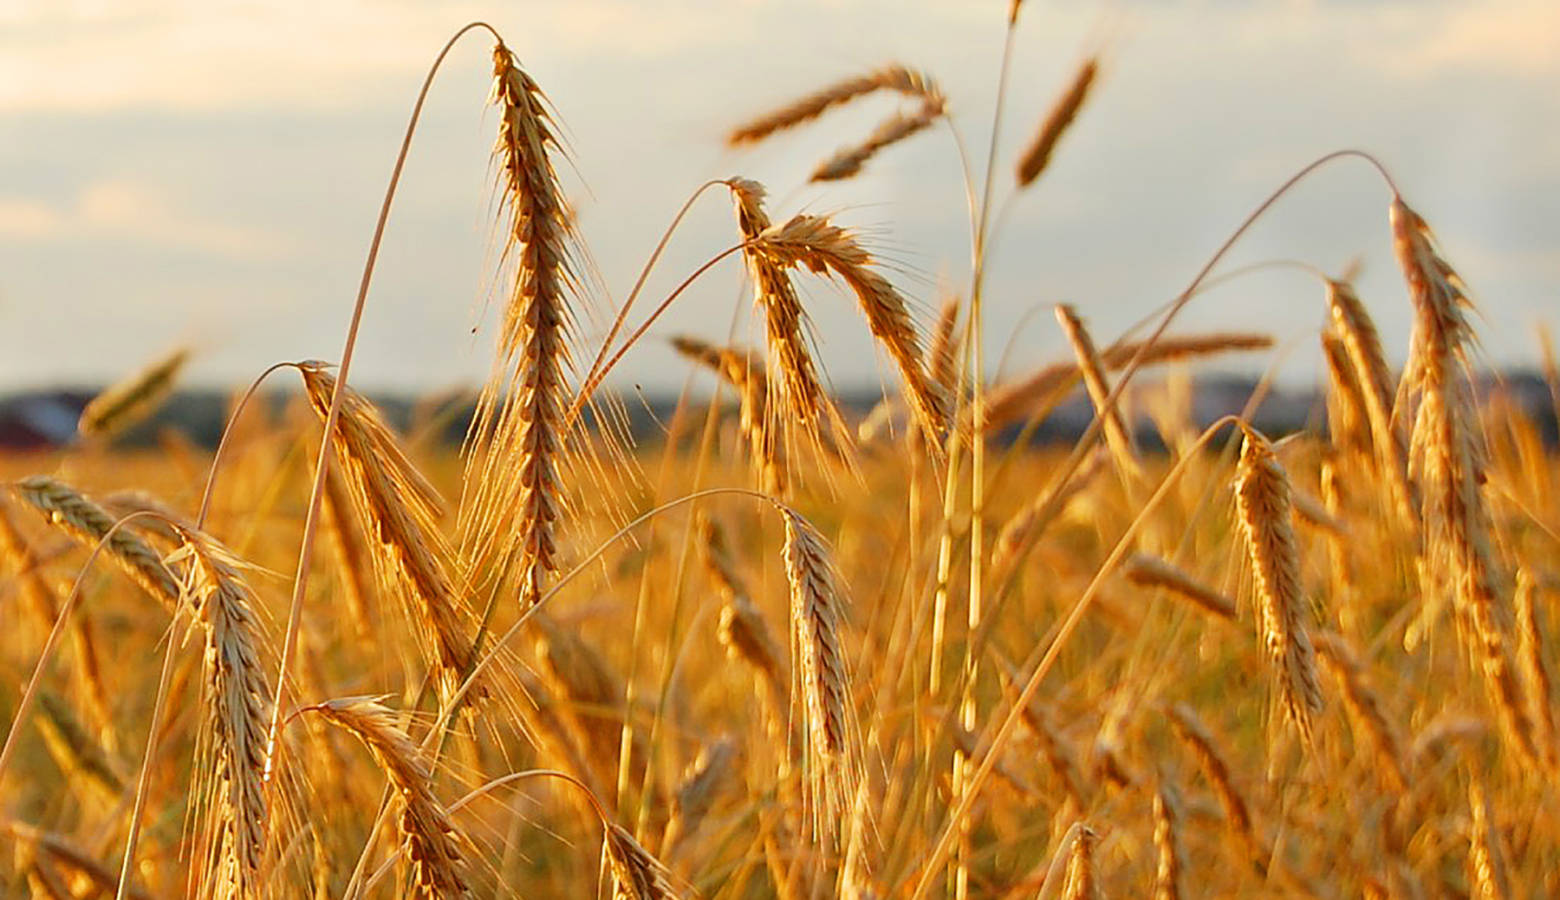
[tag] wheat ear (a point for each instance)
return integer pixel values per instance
(1038, 153)
(746, 374)
(821, 246)
(799, 399)
(21, 560)
(1010, 400)
(1487, 869)
(893, 77)
(1237, 814)
(1444, 449)
(398, 509)
(517, 439)
(128, 402)
(696, 795)
(1365, 710)
(73, 513)
(815, 623)
(238, 695)
(743, 630)
(1151, 571)
(432, 842)
(1170, 867)
(1530, 656)
(1081, 882)
(898, 127)
(1353, 327)
(1093, 372)
(1262, 503)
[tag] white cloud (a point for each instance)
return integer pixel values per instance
(131, 213)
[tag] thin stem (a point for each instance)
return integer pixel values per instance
(227, 432)
(311, 520)
(590, 385)
(644, 273)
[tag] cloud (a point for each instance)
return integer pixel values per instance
(129, 213)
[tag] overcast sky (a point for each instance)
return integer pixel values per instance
(174, 171)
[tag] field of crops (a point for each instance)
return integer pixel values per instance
(774, 652)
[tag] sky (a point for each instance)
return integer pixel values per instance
(208, 173)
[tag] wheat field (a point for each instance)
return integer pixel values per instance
(777, 649)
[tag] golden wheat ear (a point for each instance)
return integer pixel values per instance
(899, 127)
(799, 405)
(1037, 155)
(821, 246)
(1263, 512)
(1446, 459)
(893, 77)
(130, 401)
(816, 613)
(72, 512)
(513, 499)
(399, 510)
(239, 704)
(432, 843)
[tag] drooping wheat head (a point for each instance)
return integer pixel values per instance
(816, 613)
(433, 845)
(821, 246)
(798, 399)
(1262, 504)
(398, 510)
